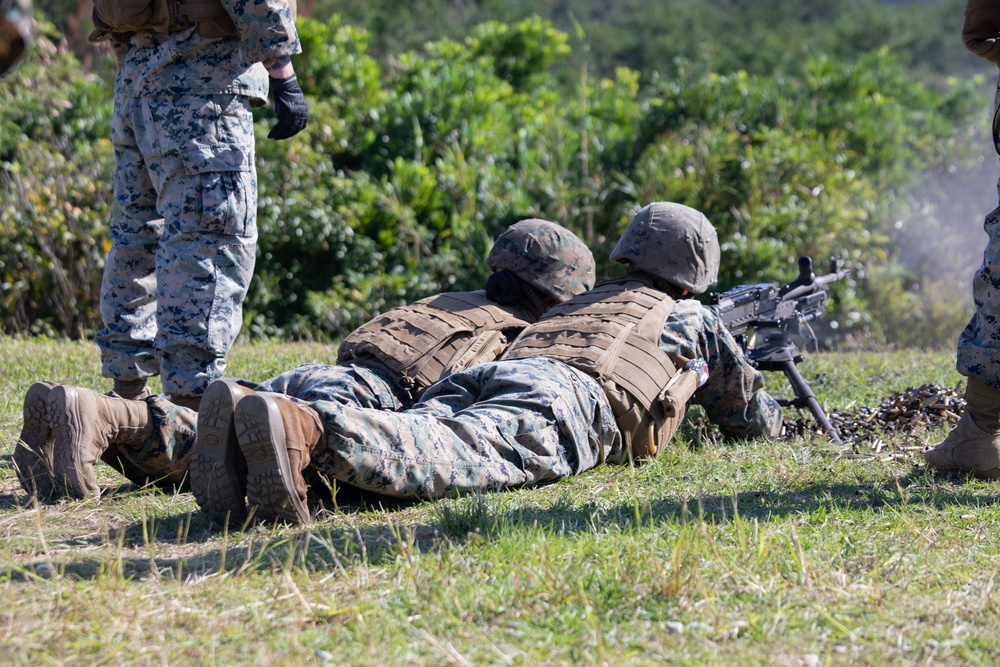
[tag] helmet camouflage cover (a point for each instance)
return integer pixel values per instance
(15, 31)
(547, 256)
(672, 241)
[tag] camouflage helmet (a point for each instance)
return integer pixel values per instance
(15, 31)
(672, 241)
(545, 255)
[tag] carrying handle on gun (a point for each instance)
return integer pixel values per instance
(809, 282)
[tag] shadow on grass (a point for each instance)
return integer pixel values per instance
(230, 548)
(329, 544)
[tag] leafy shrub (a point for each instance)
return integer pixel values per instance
(55, 193)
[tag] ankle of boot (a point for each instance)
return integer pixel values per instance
(983, 405)
(303, 429)
(128, 422)
(131, 389)
(316, 438)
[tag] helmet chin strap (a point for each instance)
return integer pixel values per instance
(534, 301)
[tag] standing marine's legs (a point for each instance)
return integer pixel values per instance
(128, 287)
(182, 259)
(207, 185)
(974, 444)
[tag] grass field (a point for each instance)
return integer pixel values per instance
(795, 552)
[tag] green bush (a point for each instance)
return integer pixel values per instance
(55, 193)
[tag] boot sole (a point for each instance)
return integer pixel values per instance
(270, 485)
(986, 474)
(70, 430)
(215, 478)
(33, 452)
(958, 470)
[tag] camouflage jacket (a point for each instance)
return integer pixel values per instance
(185, 63)
(734, 397)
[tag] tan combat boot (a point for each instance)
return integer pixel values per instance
(133, 390)
(33, 451)
(84, 425)
(974, 444)
(277, 437)
(218, 469)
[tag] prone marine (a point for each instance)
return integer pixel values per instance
(604, 377)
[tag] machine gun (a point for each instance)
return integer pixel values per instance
(778, 312)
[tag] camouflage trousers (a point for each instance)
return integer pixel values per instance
(496, 425)
(166, 454)
(183, 238)
(979, 344)
(347, 384)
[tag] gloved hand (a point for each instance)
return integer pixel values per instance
(290, 106)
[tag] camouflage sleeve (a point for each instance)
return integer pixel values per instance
(981, 28)
(266, 28)
(733, 397)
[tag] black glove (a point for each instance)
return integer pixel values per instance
(290, 106)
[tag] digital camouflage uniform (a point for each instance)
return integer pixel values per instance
(496, 425)
(15, 31)
(733, 398)
(979, 343)
(183, 221)
(165, 455)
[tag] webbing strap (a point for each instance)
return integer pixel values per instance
(196, 11)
